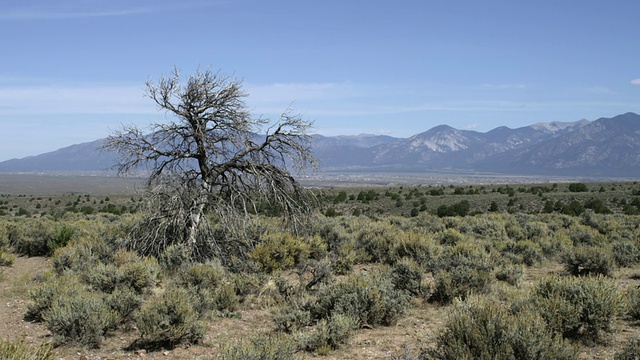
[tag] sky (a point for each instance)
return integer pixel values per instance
(74, 71)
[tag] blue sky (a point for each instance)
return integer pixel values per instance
(73, 71)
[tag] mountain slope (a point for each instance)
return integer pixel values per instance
(604, 147)
(85, 157)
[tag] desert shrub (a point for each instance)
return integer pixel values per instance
(466, 253)
(202, 275)
(578, 187)
(633, 302)
(526, 251)
(578, 308)
(488, 227)
(459, 282)
(458, 209)
(124, 301)
(103, 277)
(625, 253)
(376, 241)
(328, 334)
(293, 317)
(449, 237)
(407, 275)
(535, 230)
(61, 237)
(418, 247)
(511, 274)
(588, 260)
(631, 350)
(127, 269)
(139, 274)
(19, 350)
(30, 237)
(81, 255)
(82, 318)
(174, 257)
(280, 251)
(246, 283)
(225, 299)
(487, 330)
(169, 319)
(271, 346)
(429, 223)
(210, 287)
(370, 299)
(6, 259)
(585, 236)
(43, 297)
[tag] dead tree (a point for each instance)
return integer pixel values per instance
(212, 156)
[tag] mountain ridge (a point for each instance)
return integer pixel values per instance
(608, 146)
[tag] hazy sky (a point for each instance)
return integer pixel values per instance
(72, 71)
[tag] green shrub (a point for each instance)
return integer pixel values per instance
(103, 277)
(525, 251)
(328, 334)
(371, 300)
(578, 187)
(225, 298)
(407, 275)
(486, 330)
(210, 287)
(415, 246)
(19, 350)
(139, 274)
(588, 260)
(30, 237)
(272, 346)
(376, 241)
(293, 318)
(174, 257)
(124, 301)
(283, 251)
(83, 318)
(126, 270)
(44, 296)
(631, 351)
(625, 252)
(169, 319)
(61, 237)
(633, 302)
(449, 237)
(81, 255)
(511, 274)
(344, 258)
(459, 282)
(578, 307)
(6, 259)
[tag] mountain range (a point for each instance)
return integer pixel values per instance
(605, 147)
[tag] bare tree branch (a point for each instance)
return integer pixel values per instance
(212, 156)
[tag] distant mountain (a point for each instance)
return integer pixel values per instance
(85, 157)
(604, 147)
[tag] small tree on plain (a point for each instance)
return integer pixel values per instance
(212, 156)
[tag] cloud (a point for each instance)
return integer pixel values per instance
(503, 86)
(74, 10)
(635, 82)
(70, 99)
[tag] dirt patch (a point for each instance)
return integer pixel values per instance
(17, 279)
